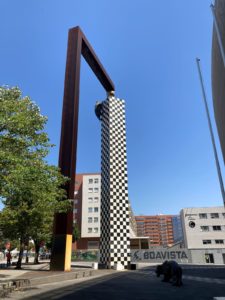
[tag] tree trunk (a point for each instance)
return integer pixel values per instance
(19, 262)
(37, 248)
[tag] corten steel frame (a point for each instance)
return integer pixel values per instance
(63, 224)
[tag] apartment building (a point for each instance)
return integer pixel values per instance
(158, 228)
(86, 210)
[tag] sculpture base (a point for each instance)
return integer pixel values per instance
(61, 253)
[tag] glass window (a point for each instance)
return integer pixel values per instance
(90, 200)
(96, 230)
(95, 199)
(223, 214)
(76, 192)
(90, 180)
(219, 241)
(89, 230)
(90, 190)
(74, 221)
(90, 209)
(75, 201)
(89, 220)
(203, 216)
(95, 220)
(217, 228)
(96, 180)
(214, 216)
(205, 242)
(95, 190)
(74, 210)
(204, 228)
(95, 209)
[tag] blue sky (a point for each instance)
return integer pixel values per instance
(149, 49)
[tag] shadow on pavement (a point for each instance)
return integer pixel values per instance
(133, 285)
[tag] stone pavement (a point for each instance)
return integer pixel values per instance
(30, 275)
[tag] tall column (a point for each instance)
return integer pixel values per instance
(115, 224)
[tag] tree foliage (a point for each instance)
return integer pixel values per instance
(30, 189)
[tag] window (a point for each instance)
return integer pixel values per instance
(217, 228)
(90, 180)
(90, 190)
(209, 258)
(89, 230)
(90, 209)
(95, 199)
(95, 209)
(75, 201)
(74, 221)
(205, 242)
(75, 211)
(90, 200)
(96, 180)
(204, 228)
(95, 220)
(214, 216)
(202, 216)
(95, 190)
(223, 214)
(76, 192)
(93, 245)
(96, 230)
(219, 241)
(192, 224)
(89, 220)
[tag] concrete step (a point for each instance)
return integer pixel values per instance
(61, 277)
(7, 286)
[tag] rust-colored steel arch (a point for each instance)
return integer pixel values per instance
(77, 45)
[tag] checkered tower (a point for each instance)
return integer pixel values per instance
(115, 225)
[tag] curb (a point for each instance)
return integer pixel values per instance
(12, 285)
(61, 277)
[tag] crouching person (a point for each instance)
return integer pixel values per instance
(171, 271)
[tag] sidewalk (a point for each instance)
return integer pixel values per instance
(31, 275)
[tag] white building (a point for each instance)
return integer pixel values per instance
(87, 211)
(91, 203)
(204, 233)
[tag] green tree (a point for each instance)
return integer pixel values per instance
(30, 189)
(76, 233)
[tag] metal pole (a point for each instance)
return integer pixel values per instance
(211, 131)
(218, 33)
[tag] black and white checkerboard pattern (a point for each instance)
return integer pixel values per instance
(115, 227)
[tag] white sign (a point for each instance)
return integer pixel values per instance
(150, 255)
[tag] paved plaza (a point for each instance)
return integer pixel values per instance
(199, 283)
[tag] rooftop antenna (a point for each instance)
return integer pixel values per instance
(211, 131)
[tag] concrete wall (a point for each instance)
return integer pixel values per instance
(194, 236)
(198, 256)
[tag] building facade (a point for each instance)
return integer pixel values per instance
(204, 233)
(86, 210)
(177, 229)
(158, 228)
